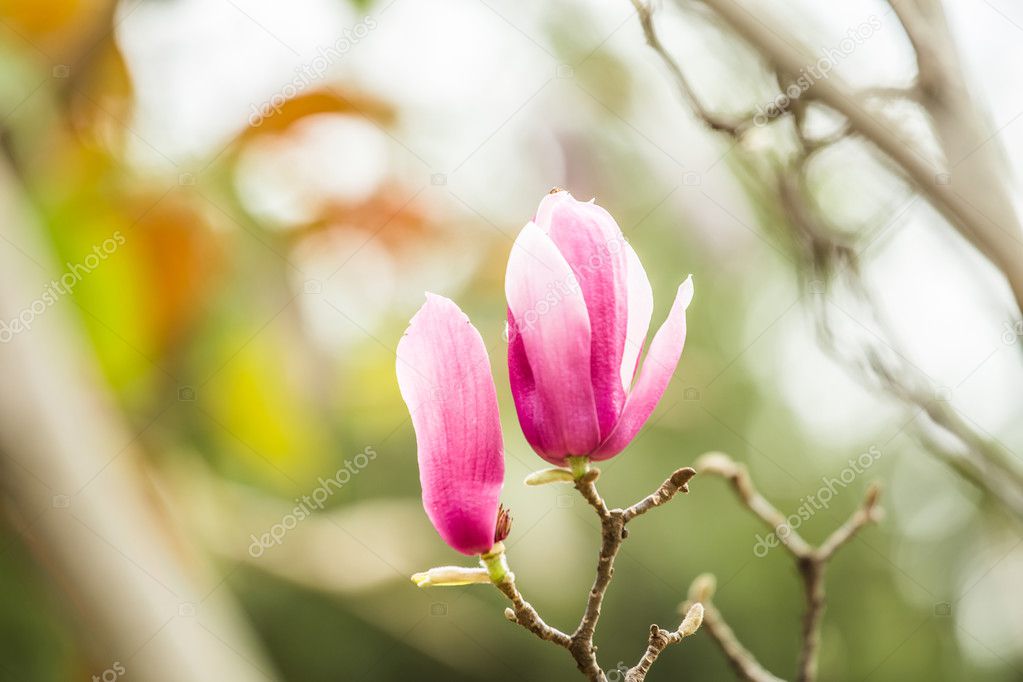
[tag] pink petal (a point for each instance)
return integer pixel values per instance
(658, 367)
(641, 308)
(527, 400)
(444, 376)
(592, 243)
(553, 327)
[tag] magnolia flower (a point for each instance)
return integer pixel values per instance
(444, 377)
(579, 308)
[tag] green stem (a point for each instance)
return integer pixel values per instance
(495, 563)
(579, 465)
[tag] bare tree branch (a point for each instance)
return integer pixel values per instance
(661, 639)
(613, 533)
(525, 615)
(677, 482)
(733, 127)
(969, 187)
(811, 562)
(741, 659)
(976, 203)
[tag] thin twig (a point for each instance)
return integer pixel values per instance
(585, 486)
(613, 533)
(890, 93)
(677, 482)
(741, 659)
(867, 512)
(525, 615)
(811, 561)
(733, 126)
(661, 639)
(978, 205)
(724, 466)
(976, 201)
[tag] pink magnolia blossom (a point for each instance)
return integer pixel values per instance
(579, 308)
(444, 377)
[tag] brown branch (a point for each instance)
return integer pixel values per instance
(867, 512)
(975, 201)
(978, 204)
(929, 62)
(811, 561)
(890, 93)
(661, 639)
(733, 126)
(613, 533)
(724, 466)
(675, 483)
(585, 486)
(525, 615)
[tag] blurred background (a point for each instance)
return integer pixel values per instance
(216, 219)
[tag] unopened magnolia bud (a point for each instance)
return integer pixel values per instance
(552, 475)
(450, 576)
(703, 588)
(692, 621)
(510, 615)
